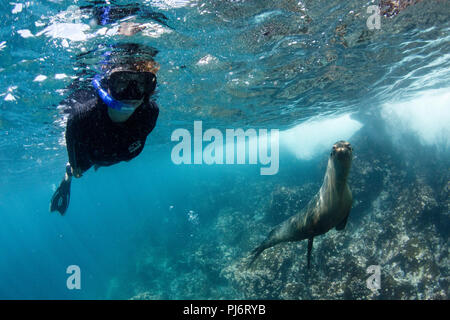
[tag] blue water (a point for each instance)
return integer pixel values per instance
(311, 69)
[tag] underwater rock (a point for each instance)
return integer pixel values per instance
(393, 224)
(287, 201)
(145, 296)
(390, 8)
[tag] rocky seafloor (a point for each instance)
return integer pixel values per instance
(399, 221)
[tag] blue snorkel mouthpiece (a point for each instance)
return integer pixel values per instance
(107, 99)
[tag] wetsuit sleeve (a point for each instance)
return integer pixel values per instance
(77, 151)
(154, 112)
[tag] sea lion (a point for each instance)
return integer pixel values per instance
(329, 208)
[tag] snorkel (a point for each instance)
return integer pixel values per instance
(107, 99)
(102, 93)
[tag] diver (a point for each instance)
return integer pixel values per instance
(109, 121)
(110, 118)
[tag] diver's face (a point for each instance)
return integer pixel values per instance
(134, 103)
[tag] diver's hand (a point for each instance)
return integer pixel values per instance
(70, 171)
(77, 173)
(130, 28)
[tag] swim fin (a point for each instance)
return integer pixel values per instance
(61, 197)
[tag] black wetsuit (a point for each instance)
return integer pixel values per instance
(92, 138)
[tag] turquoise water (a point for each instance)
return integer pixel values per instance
(150, 228)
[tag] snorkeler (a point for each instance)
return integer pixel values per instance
(110, 119)
(110, 124)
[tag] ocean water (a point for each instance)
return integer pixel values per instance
(317, 71)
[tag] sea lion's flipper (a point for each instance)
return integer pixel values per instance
(269, 242)
(61, 197)
(310, 246)
(343, 223)
(255, 254)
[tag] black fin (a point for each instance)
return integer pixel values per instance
(310, 246)
(61, 197)
(342, 224)
(255, 254)
(263, 246)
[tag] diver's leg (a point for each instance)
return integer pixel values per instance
(61, 197)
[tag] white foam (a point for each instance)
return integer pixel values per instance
(313, 137)
(168, 4)
(60, 76)
(427, 115)
(25, 33)
(71, 31)
(10, 97)
(154, 30)
(206, 60)
(264, 16)
(18, 7)
(40, 78)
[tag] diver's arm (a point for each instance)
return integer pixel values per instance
(71, 143)
(78, 154)
(130, 28)
(154, 112)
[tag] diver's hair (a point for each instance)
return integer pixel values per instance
(131, 57)
(147, 66)
(140, 66)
